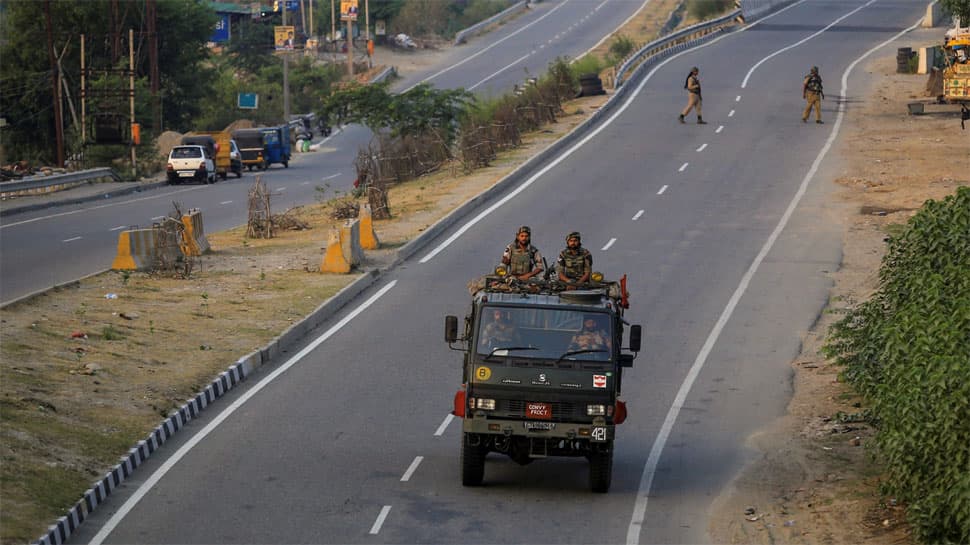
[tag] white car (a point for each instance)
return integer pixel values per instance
(190, 163)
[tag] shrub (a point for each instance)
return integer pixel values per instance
(621, 47)
(907, 349)
(705, 9)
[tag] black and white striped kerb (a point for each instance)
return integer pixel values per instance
(59, 532)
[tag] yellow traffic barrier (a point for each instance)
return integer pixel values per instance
(368, 238)
(136, 250)
(194, 242)
(343, 250)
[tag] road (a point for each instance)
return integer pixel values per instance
(44, 248)
(725, 232)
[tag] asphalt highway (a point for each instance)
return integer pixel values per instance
(726, 235)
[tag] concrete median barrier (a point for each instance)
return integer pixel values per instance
(194, 242)
(368, 238)
(343, 251)
(138, 250)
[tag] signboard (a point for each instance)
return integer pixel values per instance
(291, 5)
(380, 27)
(221, 32)
(348, 10)
(247, 101)
(283, 37)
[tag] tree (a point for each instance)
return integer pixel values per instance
(960, 8)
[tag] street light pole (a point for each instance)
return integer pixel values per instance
(286, 76)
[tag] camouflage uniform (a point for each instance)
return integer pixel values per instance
(522, 261)
(813, 95)
(590, 340)
(499, 332)
(575, 263)
(694, 101)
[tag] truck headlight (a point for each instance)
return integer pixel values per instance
(595, 410)
(485, 404)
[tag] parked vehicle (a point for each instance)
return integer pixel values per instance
(276, 142)
(235, 158)
(190, 163)
(217, 142)
(252, 147)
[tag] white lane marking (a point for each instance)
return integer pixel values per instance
(118, 228)
(731, 113)
(796, 44)
(700, 149)
(610, 35)
(304, 183)
(662, 189)
(553, 163)
(683, 167)
(376, 528)
(719, 129)
(411, 469)
(156, 218)
(444, 425)
(737, 98)
(226, 202)
(503, 69)
(280, 189)
(646, 479)
(332, 176)
(71, 239)
(608, 244)
(482, 52)
(72, 212)
(204, 432)
(638, 214)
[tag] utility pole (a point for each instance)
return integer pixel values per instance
(152, 17)
(350, 46)
(55, 79)
(84, 126)
(131, 100)
(286, 76)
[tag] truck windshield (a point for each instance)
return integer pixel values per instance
(547, 333)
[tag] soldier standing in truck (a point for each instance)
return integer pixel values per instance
(522, 258)
(575, 263)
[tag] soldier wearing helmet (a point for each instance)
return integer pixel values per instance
(813, 95)
(575, 263)
(522, 258)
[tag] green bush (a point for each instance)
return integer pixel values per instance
(586, 65)
(704, 9)
(907, 349)
(621, 47)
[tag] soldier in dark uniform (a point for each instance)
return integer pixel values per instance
(592, 336)
(813, 95)
(499, 332)
(575, 263)
(523, 259)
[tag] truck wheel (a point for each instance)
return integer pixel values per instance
(472, 462)
(601, 469)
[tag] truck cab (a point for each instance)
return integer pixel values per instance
(542, 373)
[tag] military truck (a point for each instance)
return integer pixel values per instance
(543, 368)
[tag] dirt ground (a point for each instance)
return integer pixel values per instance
(815, 482)
(88, 370)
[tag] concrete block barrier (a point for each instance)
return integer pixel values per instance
(136, 250)
(368, 238)
(343, 251)
(194, 242)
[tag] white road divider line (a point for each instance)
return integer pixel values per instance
(118, 228)
(683, 167)
(637, 215)
(662, 189)
(503, 69)
(719, 129)
(376, 528)
(731, 113)
(737, 98)
(331, 177)
(71, 239)
(700, 149)
(150, 483)
(444, 425)
(608, 244)
(646, 478)
(411, 469)
(226, 202)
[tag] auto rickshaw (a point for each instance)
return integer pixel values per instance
(252, 146)
(276, 141)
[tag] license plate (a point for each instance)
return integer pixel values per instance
(187, 174)
(539, 426)
(542, 411)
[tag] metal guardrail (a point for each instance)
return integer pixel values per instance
(672, 40)
(37, 184)
(463, 34)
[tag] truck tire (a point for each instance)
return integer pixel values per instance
(472, 462)
(601, 469)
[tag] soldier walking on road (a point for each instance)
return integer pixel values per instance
(813, 95)
(693, 86)
(523, 259)
(575, 263)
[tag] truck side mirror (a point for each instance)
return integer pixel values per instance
(451, 329)
(635, 338)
